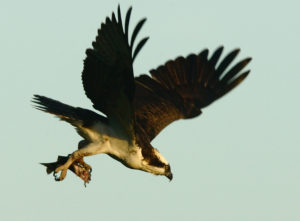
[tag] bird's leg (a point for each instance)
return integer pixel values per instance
(80, 168)
(63, 168)
(76, 159)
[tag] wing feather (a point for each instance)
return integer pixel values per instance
(107, 76)
(181, 88)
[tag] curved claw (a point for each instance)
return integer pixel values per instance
(55, 177)
(79, 167)
(62, 174)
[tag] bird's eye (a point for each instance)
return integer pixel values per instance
(167, 167)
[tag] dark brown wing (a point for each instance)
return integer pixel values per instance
(181, 88)
(107, 76)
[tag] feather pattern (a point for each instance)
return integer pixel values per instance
(181, 88)
(80, 118)
(108, 74)
(137, 109)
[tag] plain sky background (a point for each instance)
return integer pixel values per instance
(239, 161)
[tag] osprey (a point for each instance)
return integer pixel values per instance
(136, 108)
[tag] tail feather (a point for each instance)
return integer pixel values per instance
(50, 167)
(74, 115)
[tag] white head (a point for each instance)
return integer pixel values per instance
(157, 164)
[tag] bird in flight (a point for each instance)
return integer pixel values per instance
(135, 109)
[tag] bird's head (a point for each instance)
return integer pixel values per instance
(157, 164)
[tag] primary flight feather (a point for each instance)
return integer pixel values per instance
(137, 109)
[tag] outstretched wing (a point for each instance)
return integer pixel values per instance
(181, 88)
(107, 76)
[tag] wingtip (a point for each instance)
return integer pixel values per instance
(240, 78)
(107, 20)
(144, 19)
(245, 74)
(204, 52)
(113, 17)
(119, 13)
(36, 96)
(128, 13)
(219, 49)
(246, 61)
(236, 51)
(35, 99)
(249, 59)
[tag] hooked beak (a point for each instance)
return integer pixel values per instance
(169, 176)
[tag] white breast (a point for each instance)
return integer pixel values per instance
(110, 142)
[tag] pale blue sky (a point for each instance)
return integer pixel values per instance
(238, 161)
